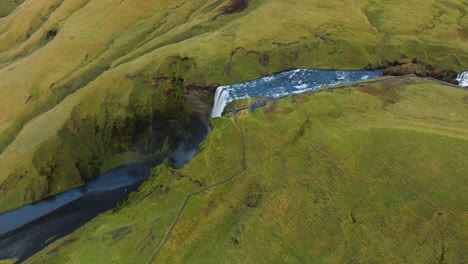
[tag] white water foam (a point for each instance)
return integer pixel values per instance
(462, 79)
(221, 100)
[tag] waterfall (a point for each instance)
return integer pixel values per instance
(290, 82)
(221, 100)
(462, 79)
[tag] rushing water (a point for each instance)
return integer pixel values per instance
(290, 82)
(462, 79)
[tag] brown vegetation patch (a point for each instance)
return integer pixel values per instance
(270, 107)
(388, 94)
(307, 124)
(168, 92)
(464, 99)
(116, 233)
(29, 99)
(69, 241)
(234, 6)
(300, 99)
(418, 68)
(335, 113)
(212, 204)
(254, 196)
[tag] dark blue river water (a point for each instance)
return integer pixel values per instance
(291, 82)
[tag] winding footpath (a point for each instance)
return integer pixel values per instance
(187, 199)
(258, 104)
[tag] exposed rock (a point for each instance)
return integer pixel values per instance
(235, 6)
(421, 69)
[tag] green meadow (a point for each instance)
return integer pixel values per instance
(8, 6)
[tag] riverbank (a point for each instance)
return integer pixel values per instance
(29, 229)
(25, 241)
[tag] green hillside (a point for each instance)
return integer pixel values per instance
(371, 174)
(8, 261)
(83, 81)
(7, 6)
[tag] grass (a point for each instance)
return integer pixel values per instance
(58, 57)
(8, 261)
(333, 177)
(8, 6)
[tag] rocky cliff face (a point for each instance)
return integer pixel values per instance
(87, 84)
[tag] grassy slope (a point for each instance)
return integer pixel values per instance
(374, 174)
(114, 52)
(8, 6)
(8, 261)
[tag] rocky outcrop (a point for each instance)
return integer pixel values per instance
(419, 68)
(235, 6)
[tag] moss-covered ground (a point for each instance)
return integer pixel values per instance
(371, 174)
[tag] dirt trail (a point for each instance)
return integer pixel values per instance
(181, 210)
